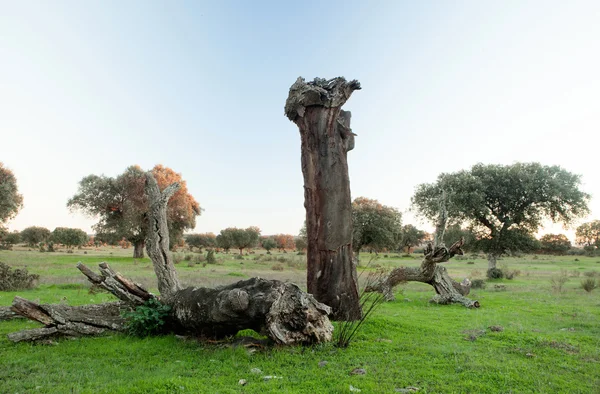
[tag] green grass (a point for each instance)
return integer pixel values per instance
(550, 342)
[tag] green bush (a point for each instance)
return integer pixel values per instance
(147, 319)
(210, 257)
(16, 279)
(495, 273)
(478, 284)
(589, 284)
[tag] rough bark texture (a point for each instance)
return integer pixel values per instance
(448, 291)
(280, 310)
(491, 258)
(7, 314)
(326, 137)
(64, 320)
(138, 250)
(157, 240)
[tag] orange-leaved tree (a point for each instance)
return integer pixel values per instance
(121, 205)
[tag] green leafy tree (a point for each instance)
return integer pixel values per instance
(8, 239)
(225, 239)
(301, 243)
(375, 225)
(588, 234)
(244, 238)
(506, 204)
(120, 204)
(69, 237)
(410, 236)
(268, 244)
(10, 199)
(33, 235)
(201, 241)
(455, 232)
(555, 244)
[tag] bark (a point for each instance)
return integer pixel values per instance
(326, 137)
(157, 240)
(280, 310)
(448, 291)
(7, 314)
(491, 258)
(138, 249)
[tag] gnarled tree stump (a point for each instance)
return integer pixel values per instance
(279, 310)
(448, 291)
(326, 137)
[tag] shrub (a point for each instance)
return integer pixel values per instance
(470, 262)
(147, 319)
(277, 267)
(177, 258)
(238, 257)
(495, 273)
(301, 253)
(210, 257)
(591, 274)
(589, 284)
(41, 247)
(199, 258)
(16, 279)
(557, 281)
(188, 257)
(478, 284)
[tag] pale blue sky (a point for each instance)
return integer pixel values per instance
(95, 86)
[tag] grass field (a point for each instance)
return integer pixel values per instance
(549, 342)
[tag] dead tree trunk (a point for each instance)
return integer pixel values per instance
(448, 291)
(280, 310)
(326, 138)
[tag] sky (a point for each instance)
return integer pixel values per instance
(92, 87)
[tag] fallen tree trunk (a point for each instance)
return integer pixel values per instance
(279, 310)
(448, 291)
(326, 138)
(7, 314)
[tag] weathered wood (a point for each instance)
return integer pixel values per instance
(280, 310)
(7, 314)
(326, 137)
(125, 290)
(65, 320)
(157, 239)
(448, 291)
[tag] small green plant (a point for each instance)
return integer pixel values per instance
(478, 284)
(147, 319)
(589, 284)
(558, 281)
(177, 258)
(210, 257)
(495, 273)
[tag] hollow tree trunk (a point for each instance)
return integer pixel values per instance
(448, 291)
(326, 137)
(280, 310)
(492, 259)
(138, 249)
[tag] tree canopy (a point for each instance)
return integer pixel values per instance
(268, 243)
(121, 205)
(555, 243)
(201, 241)
(505, 203)
(376, 226)
(34, 235)
(588, 234)
(284, 241)
(410, 236)
(69, 236)
(10, 199)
